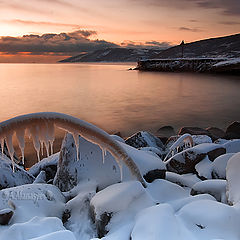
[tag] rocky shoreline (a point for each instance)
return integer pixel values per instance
(203, 65)
(192, 187)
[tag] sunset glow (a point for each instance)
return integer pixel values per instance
(158, 23)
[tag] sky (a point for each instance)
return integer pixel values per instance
(50, 30)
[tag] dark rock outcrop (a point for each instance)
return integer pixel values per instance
(194, 131)
(144, 139)
(233, 131)
(155, 174)
(216, 133)
(166, 131)
(5, 216)
(185, 161)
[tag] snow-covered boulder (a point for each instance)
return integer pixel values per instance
(184, 180)
(48, 165)
(37, 228)
(215, 187)
(8, 178)
(76, 215)
(118, 204)
(232, 146)
(207, 219)
(185, 161)
(94, 165)
(164, 191)
(204, 168)
(158, 222)
(144, 139)
(31, 200)
(219, 165)
(233, 179)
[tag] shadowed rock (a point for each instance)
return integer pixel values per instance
(5, 216)
(233, 131)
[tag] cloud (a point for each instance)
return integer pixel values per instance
(149, 44)
(68, 43)
(227, 7)
(229, 23)
(42, 23)
(189, 29)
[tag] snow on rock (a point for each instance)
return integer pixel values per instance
(41, 177)
(144, 139)
(214, 187)
(204, 168)
(94, 165)
(48, 165)
(219, 165)
(117, 205)
(232, 146)
(59, 235)
(233, 179)
(43, 228)
(207, 219)
(184, 180)
(31, 200)
(8, 178)
(77, 214)
(164, 191)
(159, 222)
(185, 161)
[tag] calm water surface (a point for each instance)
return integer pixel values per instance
(119, 100)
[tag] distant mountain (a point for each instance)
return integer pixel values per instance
(223, 47)
(115, 55)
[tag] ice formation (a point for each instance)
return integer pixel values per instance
(186, 138)
(41, 128)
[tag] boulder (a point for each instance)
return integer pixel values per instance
(32, 200)
(94, 166)
(219, 166)
(232, 146)
(185, 161)
(48, 165)
(117, 205)
(5, 216)
(144, 139)
(233, 131)
(194, 131)
(8, 178)
(233, 179)
(214, 187)
(166, 131)
(216, 133)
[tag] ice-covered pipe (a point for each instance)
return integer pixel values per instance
(43, 124)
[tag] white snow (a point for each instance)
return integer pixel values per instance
(204, 168)
(43, 228)
(233, 179)
(32, 200)
(219, 165)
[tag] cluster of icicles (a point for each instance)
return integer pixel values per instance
(40, 127)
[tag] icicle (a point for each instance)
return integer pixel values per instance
(43, 136)
(41, 143)
(21, 143)
(2, 144)
(35, 138)
(104, 153)
(121, 171)
(51, 135)
(76, 140)
(10, 148)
